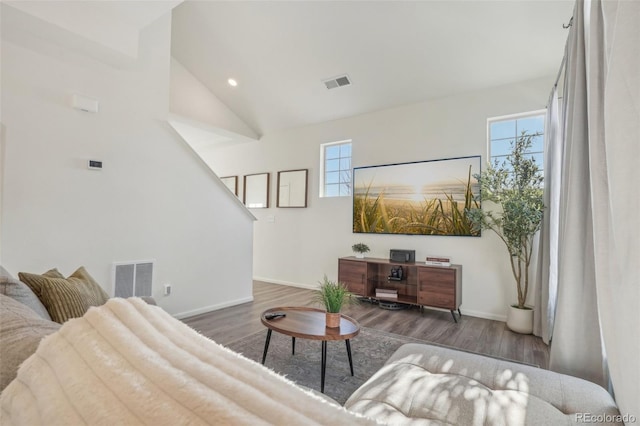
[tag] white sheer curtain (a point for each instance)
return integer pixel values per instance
(615, 182)
(598, 307)
(545, 293)
(576, 347)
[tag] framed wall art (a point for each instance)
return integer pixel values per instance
(231, 182)
(292, 188)
(255, 193)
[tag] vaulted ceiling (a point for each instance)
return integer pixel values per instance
(395, 52)
(110, 27)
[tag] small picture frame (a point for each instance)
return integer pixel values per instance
(231, 182)
(292, 188)
(256, 191)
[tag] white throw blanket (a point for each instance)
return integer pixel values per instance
(128, 363)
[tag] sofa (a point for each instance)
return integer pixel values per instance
(169, 374)
(446, 386)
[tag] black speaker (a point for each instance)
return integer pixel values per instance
(396, 255)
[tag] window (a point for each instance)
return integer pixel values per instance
(335, 169)
(504, 130)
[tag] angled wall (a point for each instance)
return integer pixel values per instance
(154, 199)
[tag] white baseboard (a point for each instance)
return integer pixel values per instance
(290, 284)
(484, 315)
(211, 308)
(477, 314)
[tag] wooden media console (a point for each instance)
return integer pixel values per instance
(421, 284)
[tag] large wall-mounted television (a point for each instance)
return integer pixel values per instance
(416, 198)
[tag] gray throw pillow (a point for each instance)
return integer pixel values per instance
(20, 292)
(21, 331)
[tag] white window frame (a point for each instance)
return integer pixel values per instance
(323, 149)
(510, 117)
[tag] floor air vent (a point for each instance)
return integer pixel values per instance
(132, 278)
(340, 81)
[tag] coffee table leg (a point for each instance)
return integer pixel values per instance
(324, 364)
(349, 354)
(266, 346)
(293, 346)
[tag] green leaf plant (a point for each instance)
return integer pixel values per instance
(333, 295)
(516, 186)
(360, 248)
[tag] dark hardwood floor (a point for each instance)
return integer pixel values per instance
(470, 333)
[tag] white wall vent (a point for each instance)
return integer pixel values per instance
(339, 81)
(133, 278)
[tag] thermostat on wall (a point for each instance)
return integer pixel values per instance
(95, 165)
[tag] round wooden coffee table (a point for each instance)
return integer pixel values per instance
(309, 323)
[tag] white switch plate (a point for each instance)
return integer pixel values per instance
(84, 103)
(167, 289)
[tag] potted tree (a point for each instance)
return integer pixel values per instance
(333, 295)
(515, 185)
(360, 249)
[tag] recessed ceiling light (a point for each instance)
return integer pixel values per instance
(232, 82)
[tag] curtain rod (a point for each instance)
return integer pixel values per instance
(565, 26)
(564, 57)
(562, 64)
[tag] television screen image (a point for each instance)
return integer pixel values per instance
(417, 198)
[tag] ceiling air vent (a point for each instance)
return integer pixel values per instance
(340, 81)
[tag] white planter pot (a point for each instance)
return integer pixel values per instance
(520, 320)
(360, 255)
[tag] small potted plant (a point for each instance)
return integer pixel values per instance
(360, 249)
(516, 187)
(333, 295)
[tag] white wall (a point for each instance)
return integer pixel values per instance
(301, 245)
(154, 199)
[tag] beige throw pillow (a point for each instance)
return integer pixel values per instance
(36, 284)
(53, 273)
(66, 298)
(63, 300)
(89, 288)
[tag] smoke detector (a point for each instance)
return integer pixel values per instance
(335, 82)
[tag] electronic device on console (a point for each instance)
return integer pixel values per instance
(396, 255)
(396, 274)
